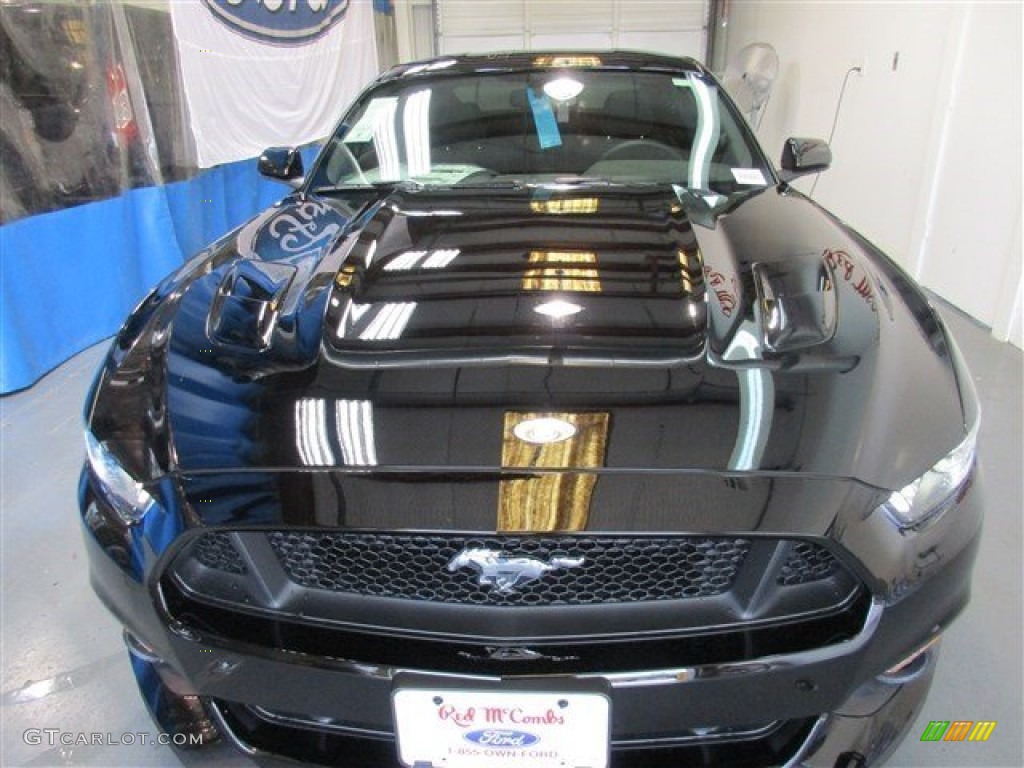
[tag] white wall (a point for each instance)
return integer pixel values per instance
(971, 251)
(675, 27)
(927, 147)
(414, 24)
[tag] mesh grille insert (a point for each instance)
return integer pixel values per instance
(615, 569)
(215, 550)
(806, 563)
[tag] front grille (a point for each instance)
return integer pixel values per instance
(615, 569)
(807, 562)
(634, 602)
(215, 550)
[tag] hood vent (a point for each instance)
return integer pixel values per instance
(797, 303)
(248, 303)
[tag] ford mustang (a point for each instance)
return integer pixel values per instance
(542, 423)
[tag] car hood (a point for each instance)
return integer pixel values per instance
(412, 331)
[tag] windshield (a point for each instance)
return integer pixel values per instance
(544, 127)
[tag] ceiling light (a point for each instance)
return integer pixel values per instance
(544, 430)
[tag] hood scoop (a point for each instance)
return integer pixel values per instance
(248, 302)
(797, 303)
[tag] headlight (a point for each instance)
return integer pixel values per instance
(124, 493)
(931, 492)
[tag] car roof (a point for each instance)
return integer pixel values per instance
(554, 59)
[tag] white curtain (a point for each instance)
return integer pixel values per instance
(245, 95)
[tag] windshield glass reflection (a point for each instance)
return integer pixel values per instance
(546, 128)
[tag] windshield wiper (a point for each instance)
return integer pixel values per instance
(598, 181)
(492, 184)
(594, 181)
(373, 185)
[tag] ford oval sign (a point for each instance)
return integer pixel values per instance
(279, 21)
(499, 737)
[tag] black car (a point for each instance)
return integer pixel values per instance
(543, 424)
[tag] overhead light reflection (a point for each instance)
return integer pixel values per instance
(350, 317)
(432, 212)
(410, 260)
(432, 67)
(386, 142)
(311, 433)
(389, 322)
(563, 89)
(757, 401)
(544, 430)
(567, 61)
(416, 122)
(691, 272)
(562, 271)
(371, 251)
(558, 309)
(563, 206)
(707, 135)
(685, 281)
(354, 420)
(404, 261)
(441, 258)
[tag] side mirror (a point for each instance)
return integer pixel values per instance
(801, 156)
(281, 164)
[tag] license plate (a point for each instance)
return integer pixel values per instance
(443, 727)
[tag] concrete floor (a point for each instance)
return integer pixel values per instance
(64, 666)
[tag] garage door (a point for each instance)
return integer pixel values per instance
(664, 26)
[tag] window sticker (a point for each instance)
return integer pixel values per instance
(544, 120)
(748, 176)
(363, 129)
(681, 82)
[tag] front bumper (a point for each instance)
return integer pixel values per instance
(823, 706)
(861, 731)
(868, 728)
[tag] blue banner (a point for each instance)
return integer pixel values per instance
(69, 278)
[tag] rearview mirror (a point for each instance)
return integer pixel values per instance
(801, 156)
(281, 164)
